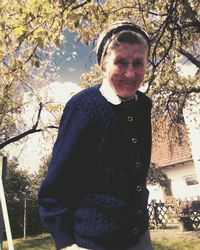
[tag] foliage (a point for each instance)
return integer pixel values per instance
(173, 27)
(18, 186)
(157, 176)
(31, 32)
(15, 187)
(94, 76)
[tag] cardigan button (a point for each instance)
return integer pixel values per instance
(135, 230)
(138, 188)
(134, 140)
(138, 164)
(139, 212)
(130, 118)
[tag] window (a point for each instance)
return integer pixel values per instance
(168, 190)
(191, 180)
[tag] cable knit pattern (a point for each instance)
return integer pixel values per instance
(95, 192)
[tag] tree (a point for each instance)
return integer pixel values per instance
(31, 32)
(157, 176)
(21, 189)
(36, 226)
(174, 31)
(16, 187)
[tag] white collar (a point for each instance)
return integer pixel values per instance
(110, 94)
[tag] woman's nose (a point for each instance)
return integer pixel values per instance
(130, 71)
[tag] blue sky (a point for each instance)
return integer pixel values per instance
(77, 59)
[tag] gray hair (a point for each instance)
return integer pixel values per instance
(112, 32)
(126, 36)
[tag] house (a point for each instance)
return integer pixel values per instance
(176, 161)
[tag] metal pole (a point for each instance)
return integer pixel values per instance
(1, 228)
(5, 217)
(1, 215)
(3, 166)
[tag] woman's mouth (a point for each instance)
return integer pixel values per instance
(126, 82)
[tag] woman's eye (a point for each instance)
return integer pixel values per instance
(137, 63)
(121, 63)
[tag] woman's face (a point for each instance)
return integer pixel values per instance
(124, 68)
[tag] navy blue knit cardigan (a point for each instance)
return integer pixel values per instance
(94, 193)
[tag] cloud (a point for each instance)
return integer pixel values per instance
(187, 69)
(71, 69)
(68, 59)
(36, 146)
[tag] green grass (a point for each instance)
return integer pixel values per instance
(176, 245)
(45, 242)
(41, 242)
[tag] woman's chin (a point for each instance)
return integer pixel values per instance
(126, 92)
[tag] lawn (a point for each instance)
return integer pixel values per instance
(176, 245)
(45, 242)
(41, 242)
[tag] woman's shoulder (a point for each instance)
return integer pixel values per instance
(88, 100)
(85, 95)
(143, 98)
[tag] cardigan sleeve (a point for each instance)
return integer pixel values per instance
(61, 189)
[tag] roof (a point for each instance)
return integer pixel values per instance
(167, 151)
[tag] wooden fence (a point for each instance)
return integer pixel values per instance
(185, 214)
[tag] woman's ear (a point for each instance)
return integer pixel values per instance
(103, 62)
(102, 67)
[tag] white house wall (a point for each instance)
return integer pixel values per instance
(155, 193)
(192, 120)
(180, 189)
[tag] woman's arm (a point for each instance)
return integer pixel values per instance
(59, 193)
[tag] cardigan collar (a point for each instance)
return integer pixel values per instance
(110, 95)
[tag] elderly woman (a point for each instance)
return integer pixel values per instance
(94, 195)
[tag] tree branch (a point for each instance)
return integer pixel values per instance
(52, 126)
(19, 137)
(190, 57)
(81, 5)
(192, 90)
(38, 116)
(34, 129)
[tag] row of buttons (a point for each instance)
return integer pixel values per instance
(131, 119)
(135, 230)
(138, 164)
(139, 212)
(134, 141)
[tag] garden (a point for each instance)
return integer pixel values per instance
(162, 240)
